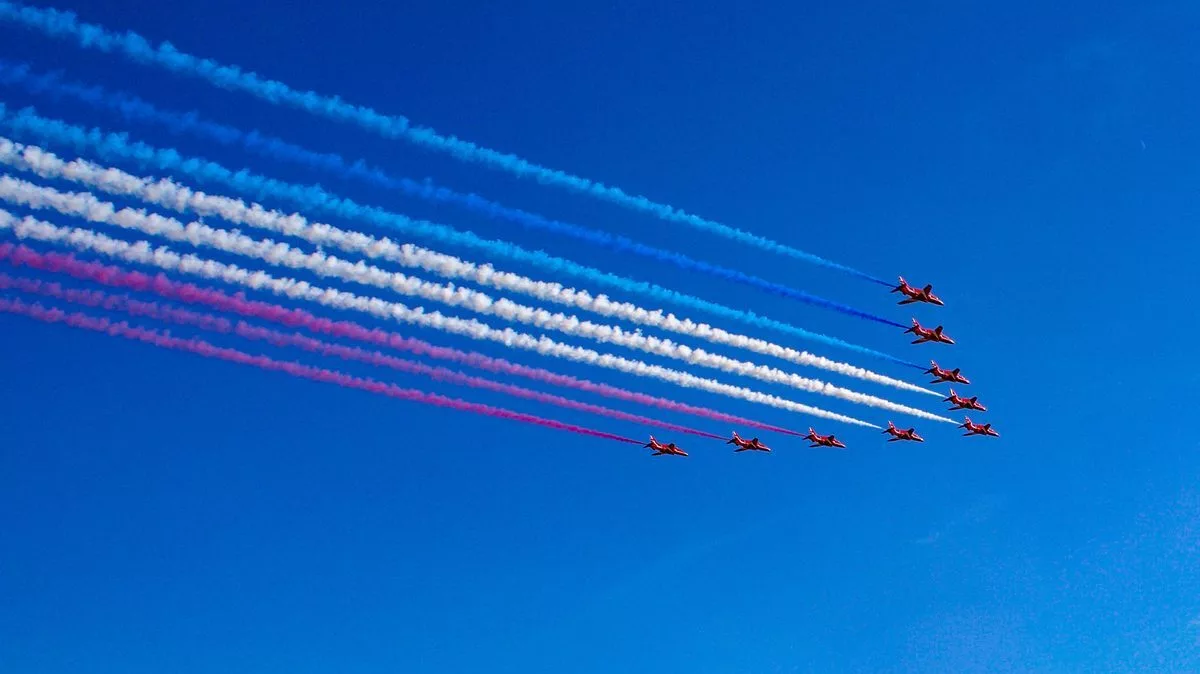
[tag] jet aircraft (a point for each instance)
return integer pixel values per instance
(917, 295)
(818, 440)
(977, 429)
(660, 449)
(940, 375)
(897, 434)
(960, 403)
(927, 335)
(753, 444)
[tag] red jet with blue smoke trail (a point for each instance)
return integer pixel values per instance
(940, 375)
(958, 402)
(917, 295)
(910, 434)
(927, 335)
(753, 444)
(977, 429)
(660, 449)
(818, 440)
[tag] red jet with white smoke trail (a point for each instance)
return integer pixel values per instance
(978, 429)
(959, 403)
(897, 434)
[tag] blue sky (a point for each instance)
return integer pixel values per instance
(165, 513)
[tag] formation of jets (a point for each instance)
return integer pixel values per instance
(940, 375)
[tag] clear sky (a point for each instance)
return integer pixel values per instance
(1037, 164)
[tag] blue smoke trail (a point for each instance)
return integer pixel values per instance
(136, 109)
(118, 146)
(59, 24)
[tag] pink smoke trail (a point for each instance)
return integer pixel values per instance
(20, 255)
(155, 311)
(203, 348)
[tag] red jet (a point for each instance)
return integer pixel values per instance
(822, 440)
(977, 429)
(660, 449)
(940, 375)
(927, 335)
(752, 444)
(960, 403)
(897, 434)
(913, 295)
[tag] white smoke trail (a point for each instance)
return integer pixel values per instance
(86, 205)
(144, 253)
(169, 194)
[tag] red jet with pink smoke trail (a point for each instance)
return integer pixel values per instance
(202, 348)
(211, 323)
(660, 449)
(743, 445)
(118, 277)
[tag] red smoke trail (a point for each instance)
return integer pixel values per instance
(20, 255)
(152, 310)
(202, 348)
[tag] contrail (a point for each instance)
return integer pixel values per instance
(202, 348)
(168, 260)
(203, 321)
(169, 194)
(168, 289)
(59, 24)
(87, 206)
(138, 110)
(315, 198)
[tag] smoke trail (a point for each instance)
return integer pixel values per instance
(164, 258)
(85, 205)
(164, 287)
(315, 198)
(170, 194)
(202, 348)
(135, 47)
(152, 310)
(139, 110)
